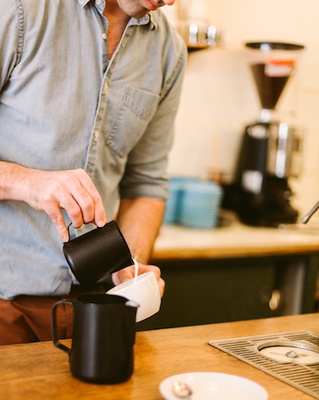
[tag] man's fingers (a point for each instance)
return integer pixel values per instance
(72, 191)
(89, 200)
(58, 220)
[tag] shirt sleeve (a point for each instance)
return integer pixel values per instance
(145, 174)
(11, 37)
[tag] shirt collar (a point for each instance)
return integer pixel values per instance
(151, 18)
(83, 3)
(147, 19)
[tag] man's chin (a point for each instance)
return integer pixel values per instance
(142, 14)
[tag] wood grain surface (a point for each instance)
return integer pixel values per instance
(41, 371)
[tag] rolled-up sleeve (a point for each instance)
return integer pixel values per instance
(11, 37)
(145, 174)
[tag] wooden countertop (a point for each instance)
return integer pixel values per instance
(41, 371)
(235, 240)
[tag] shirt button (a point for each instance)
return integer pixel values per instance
(98, 2)
(96, 134)
(104, 36)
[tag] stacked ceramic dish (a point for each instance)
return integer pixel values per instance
(175, 188)
(193, 203)
(200, 204)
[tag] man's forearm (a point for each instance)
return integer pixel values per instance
(10, 175)
(140, 220)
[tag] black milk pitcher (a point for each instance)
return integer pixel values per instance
(97, 253)
(103, 338)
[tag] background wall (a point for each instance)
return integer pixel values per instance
(219, 96)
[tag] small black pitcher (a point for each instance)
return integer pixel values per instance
(97, 253)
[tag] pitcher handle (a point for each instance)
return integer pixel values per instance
(55, 336)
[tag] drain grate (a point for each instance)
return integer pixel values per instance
(292, 357)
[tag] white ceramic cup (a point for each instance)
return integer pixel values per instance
(144, 290)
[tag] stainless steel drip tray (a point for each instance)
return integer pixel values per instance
(292, 357)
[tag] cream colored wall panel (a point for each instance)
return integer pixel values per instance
(219, 97)
(310, 151)
(289, 20)
(307, 194)
(308, 108)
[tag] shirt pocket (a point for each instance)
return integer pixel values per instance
(137, 109)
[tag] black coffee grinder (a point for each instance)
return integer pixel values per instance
(270, 148)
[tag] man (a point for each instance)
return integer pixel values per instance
(88, 95)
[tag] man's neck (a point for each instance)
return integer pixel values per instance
(117, 20)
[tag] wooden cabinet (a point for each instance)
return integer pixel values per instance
(221, 289)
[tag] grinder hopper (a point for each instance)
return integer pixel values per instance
(270, 150)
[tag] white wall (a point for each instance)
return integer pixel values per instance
(219, 96)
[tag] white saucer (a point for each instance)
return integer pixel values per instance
(214, 386)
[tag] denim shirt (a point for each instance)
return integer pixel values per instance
(65, 105)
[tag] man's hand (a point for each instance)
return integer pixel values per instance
(129, 273)
(52, 191)
(72, 191)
